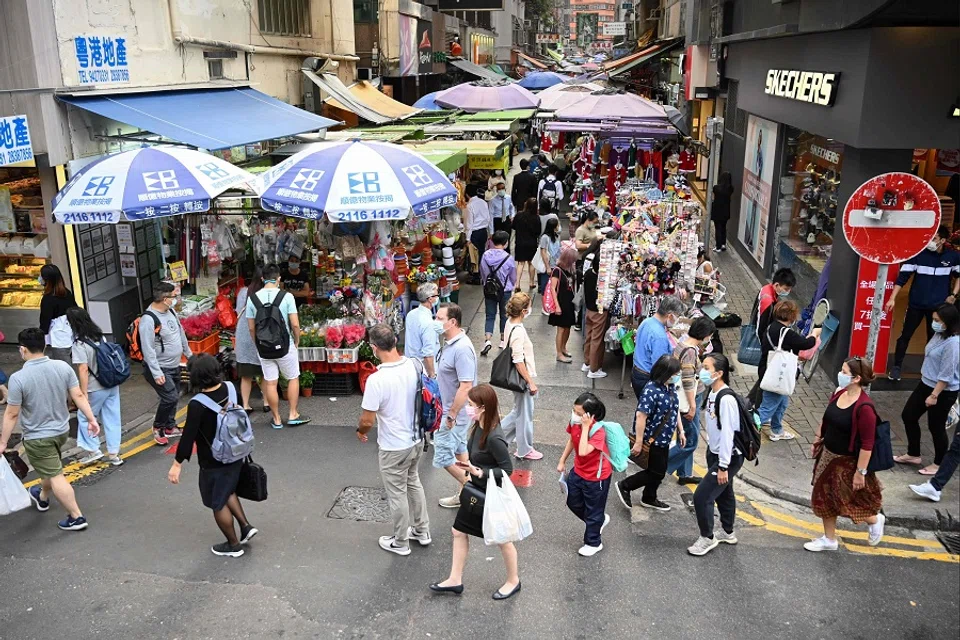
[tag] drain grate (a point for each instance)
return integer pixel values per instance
(951, 541)
(362, 504)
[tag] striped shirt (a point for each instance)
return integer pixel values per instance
(932, 272)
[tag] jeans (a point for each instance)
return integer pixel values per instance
(651, 477)
(638, 380)
(912, 320)
(772, 409)
(709, 492)
(588, 501)
(105, 405)
(518, 424)
(401, 481)
(914, 409)
(681, 458)
(491, 307)
(542, 280)
(949, 463)
(169, 395)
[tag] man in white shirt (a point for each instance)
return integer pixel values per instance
(389, 400)
(550, 193)
(478, 223)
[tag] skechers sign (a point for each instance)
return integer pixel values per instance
(815, 87)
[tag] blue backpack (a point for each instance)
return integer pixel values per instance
(233, 439)
(113, 368)
(429, 408)
(617, 444)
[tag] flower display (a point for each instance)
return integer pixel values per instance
(428, 273)
(200, 325)
(353, 335)
(334, 337)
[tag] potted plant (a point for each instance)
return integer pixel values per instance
(306, 383)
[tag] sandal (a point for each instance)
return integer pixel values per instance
(566, 360)
(905, 459)
(298, 421)
(927, 472)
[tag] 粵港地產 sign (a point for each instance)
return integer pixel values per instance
(15, 140)
(101, 59)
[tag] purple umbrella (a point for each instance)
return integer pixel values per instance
(565, 95)
(484, 95)
(601, 105)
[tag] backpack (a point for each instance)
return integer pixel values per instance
(272, 337)
(548, 196)
(747, 439)
(617, 444)
(133, 336)
(428, 406)
(493, 287)
(112, 366)
(233, 439)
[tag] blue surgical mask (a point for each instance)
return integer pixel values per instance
(675, 380)
(705, 377)
(937, 327)
(844, 379)
(783, 294)
(293, 265)
(438, 327)
(40, 280)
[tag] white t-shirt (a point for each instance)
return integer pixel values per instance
(391, 393)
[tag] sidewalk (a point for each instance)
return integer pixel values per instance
(786, 467)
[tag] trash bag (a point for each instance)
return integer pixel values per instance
(13, 496)
(505, 519)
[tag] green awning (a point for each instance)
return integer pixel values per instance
(510, 114)
(497, 69)
(447, 160)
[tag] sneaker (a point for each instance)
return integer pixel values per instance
(389, 543)
(606, 521)
(894, 373)
(173, 432)
(599, 373)
(452, 502)
(785, 435)
(486, 348)
(503, 345)
(247, 533)
(822, 543)
(533, 455)
(544, 313)
(926, 490)
(423, 538)
(160, 438)
(723, 536)
(585, 368)
(73, 524)
(227, 549)
(587, 551)
(114, 459)
(91, 457)
(42, 505)
(624, 496)
(576, 327)
(875, 531)
(703, 546)
(659, 505)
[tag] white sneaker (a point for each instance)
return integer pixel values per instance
(876, 530)
(703, 546)
(726, 538)
(926, 490)
(587, 551)
(452, 502)
(389, 543)
(423, 538)
(91, 457)
(822, 543)
(585, 368)
(599, 373)
(786, 435)
(606, 521)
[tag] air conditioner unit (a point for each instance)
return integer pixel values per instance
(655, 14)
(365, 73)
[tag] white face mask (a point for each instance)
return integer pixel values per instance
(574, 418)
(932, 245)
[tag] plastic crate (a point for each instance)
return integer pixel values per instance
(344, 367)
(311, 354)
(343, 356)
(315, 367)
(210, 344)
(334, 384)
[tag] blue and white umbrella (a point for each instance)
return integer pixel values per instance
(145, 183)
(355, 181)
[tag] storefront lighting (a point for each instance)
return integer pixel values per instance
(955, 109)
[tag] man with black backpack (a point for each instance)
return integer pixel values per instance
(550, 192)
(498, 274)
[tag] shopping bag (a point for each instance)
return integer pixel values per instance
(549, 300)
(13, 497)
(781, 374)
(538, 263)
(505, 519)
(749, 351)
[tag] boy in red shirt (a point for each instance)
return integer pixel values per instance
(588, 483)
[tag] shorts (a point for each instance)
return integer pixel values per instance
(288, 366)
(44, 455)
(448, 443)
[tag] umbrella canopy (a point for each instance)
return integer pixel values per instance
(428, 102)
(355, 182)
(677, 119)
(537, 80)
(563, 95)
(487, 96)
(606, 104)
(145, 183)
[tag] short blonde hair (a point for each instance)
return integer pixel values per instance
(517, 304)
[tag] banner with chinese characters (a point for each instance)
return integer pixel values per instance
(15, 140)
(101, 59)
(863, 309)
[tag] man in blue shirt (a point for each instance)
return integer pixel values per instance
(652, 341)
(501, 209)
(421, 338)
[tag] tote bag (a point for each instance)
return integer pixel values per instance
(503, 373)
(505, 519)
(538, 263)
(13, 497)
(781, 374)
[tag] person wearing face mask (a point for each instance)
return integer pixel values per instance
(456, 375)
(421, 334)
(57, 298)
(501, 209)
(842, 486)
(588, 483)
(936, 279)
(296, 280)
(688, 352)
(518, 424)
(162, 351)
(652, 341)
(657, 419)
(937, 390)
(778, 289)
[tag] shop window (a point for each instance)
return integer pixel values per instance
(734, 117)
(364, 11)
(284, 17)
(23, 248)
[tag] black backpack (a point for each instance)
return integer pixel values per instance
(272, 337)
(747, 439)
(493, 287)
(548, 196)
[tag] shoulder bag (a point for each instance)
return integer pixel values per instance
(252, 484)
(503, 373)
(781, 374)
(643, 459)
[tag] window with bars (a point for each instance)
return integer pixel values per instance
(284, 17)
(734, 117)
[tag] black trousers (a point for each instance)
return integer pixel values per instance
(936, 420)
(709, 492)
(911, 321)
(720, 226)
(503, 224)
(651, 477)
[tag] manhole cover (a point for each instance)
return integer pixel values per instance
(951, 541)
(363, 504)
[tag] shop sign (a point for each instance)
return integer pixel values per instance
(863, 310)
(15, 140)
(705, 93)
(101, 59)
(488, 162)
(602, 45)
(815, 87)
(548, 38)
(614, 28)
(948, 162)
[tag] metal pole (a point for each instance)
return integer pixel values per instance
(711, 178)
(876, 313)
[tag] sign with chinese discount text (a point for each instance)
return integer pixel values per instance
(15, 140)
(101, 59)
(863, 309)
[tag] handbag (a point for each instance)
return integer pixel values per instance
(749, 351)
(503, 373)
(473, 497)
(252, 484)
(881, 457)
(550, 304)
(643, 459)
(781, 374)
(537, 261)
(505, 518)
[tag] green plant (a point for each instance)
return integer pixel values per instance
(307, 378)
(366, 354)
(319, 340)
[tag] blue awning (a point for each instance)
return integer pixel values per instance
(205, 118)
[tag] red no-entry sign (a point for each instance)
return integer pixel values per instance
(891, 218)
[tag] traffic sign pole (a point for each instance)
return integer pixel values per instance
(876, 313)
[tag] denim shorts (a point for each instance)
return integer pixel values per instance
(447, 443)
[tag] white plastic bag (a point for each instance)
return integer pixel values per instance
(537, 261)
(781, 374)
(505, 519)
(13, 497)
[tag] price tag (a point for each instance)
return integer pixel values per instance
(178, 271)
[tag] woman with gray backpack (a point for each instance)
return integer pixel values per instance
(221, 429)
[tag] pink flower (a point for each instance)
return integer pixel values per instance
(334, 337)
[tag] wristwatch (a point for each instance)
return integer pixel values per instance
(862, 472)
(724, 469)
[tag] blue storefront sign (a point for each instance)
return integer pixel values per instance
(101, 59)
(15, 140)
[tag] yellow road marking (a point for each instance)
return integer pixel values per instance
(903, 553)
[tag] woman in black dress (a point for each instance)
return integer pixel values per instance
(561, 281)
(527, 227)
(489, 455)
(720, 211)
(218, 481)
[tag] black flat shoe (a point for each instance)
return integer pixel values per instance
(436, 588)
(689, 480)
(503, 596)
